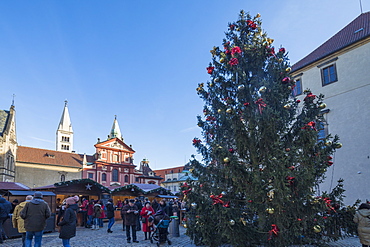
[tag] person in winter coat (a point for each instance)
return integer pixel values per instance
(110, 214)
(155, 204)
(90, 213)
(18, 222)
(68, 223)
(103, 215)
(362, 218)
(97, 214)
(131, 212)
(125, 202)
(5, 208)
(35, 214)
(139, 207)
(145, 213)
(164, 207)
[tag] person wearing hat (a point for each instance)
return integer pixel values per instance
(35, 213)
(131, 213)
(14, 204)
(68, 224)
(17, 221)
(362, 218)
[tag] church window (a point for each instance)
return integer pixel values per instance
(62, 178)
(115, 158)
(115, 175)
(126, 178)
(136, 179)
(104, 177)
(90, 175)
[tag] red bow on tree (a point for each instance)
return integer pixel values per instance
(310, 96)
(260, 104)
(328, 203)
(310, 125)
(196, 141)
(210, 69)
(290, 180)
(273, 231)
(216, 199)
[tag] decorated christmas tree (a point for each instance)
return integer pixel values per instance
(262, 158)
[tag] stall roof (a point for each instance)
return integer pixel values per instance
(13, 186)
(143, 188)
(168, 197)
(28, 192)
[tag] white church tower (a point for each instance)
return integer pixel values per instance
(64, 140)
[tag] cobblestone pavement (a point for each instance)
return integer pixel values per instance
(100, 238)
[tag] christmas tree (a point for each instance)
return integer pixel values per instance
(262, 159)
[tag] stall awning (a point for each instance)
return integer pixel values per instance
(167, 197)
(27, 192)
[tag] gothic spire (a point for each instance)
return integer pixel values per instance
(65, 121)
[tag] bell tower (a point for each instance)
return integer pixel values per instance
(64, 141)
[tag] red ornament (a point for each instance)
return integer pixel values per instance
(246, 104)
(232, 26)
(210, 69)
(299, 219)
(330, 163)
(233, 61)
(309, 125)
(231, 150)
(298, 101)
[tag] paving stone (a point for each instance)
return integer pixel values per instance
(100, 238)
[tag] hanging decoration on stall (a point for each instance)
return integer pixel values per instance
(88, 186)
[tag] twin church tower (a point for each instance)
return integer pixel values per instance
(64, 135)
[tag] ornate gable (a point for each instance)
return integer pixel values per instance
(115, 144)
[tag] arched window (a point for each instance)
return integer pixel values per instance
(115, 175)
(62, 178)
(104, 177)
(126, 178)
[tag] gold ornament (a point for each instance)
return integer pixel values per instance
(226, 160)
(338, 145)
(287, 106)
(229, 110)
(288, 69)
(270, 210)
(216, 79)
(328, 143)
(191, 170)
(322, 106)
(258, 15)
(185, 226)
(222, 60)
(211, 84)
(262, 89)
(219, 110)
(317, 228)
(232, 222)
(280, 60)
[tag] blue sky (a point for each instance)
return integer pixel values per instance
(139, 60)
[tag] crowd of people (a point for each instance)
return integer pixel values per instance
(30, 216)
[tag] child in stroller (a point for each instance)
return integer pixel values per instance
(161, 223)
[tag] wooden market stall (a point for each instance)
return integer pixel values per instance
(83, 188)
(136, 190)
(11, 191)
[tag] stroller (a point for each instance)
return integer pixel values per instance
(161, 224)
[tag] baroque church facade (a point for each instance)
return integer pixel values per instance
(111, 165)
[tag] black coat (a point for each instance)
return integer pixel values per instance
(110, 210)
(130, 218)
(165, 208)
(68, 224)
